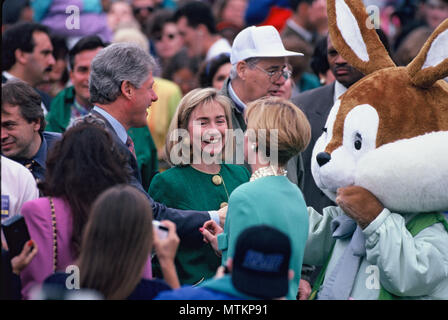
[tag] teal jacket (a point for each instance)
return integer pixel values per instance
(58, 119)
(407, 266)
(274, 201)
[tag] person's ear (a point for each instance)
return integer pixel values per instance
(21, 56)
(201, 30)
(241, 69)
(127, 89)
(36, 125)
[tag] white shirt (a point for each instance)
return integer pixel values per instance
(339, 90)
(18, 186)
(219, 47)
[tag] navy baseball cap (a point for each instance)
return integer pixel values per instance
(261, 262)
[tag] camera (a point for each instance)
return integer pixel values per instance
(162, 231)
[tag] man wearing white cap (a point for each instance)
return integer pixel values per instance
(258, 61)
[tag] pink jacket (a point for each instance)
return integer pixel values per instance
(37, 215)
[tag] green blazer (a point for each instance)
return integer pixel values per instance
(273, 201)
(189, 189)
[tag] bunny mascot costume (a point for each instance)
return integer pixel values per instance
(383, 157)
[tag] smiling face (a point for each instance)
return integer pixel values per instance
(207, 128)
(80, 74)
(20, 138)
(141, 100)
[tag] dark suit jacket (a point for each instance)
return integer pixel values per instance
(316, 104)
(187, 222)
(294, 167)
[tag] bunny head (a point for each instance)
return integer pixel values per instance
(389, 132)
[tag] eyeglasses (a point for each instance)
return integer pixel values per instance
(170, 36)
(138, 9)
(274, 76)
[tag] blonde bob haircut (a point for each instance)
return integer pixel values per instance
(189, 102)
(274, 113)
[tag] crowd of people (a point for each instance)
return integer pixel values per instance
(200, 114)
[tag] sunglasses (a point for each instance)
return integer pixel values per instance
(138, 9)
(170, 36)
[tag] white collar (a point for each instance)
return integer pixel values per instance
(339, 90)
(241, 106)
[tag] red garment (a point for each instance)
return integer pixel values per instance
(277, 17)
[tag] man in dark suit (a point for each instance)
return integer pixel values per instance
(316, 104)
(121, 89)
(27, 54)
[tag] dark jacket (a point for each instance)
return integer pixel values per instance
(316, 104)
(187, 222)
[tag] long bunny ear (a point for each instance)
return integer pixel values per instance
(354, 38)
(431, 64)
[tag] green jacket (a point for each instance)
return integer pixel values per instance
(58, 120)
(188, 189)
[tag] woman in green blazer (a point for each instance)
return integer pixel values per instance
(276, 131)
(199, 180)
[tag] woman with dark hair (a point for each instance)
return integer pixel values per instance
(214, 71)
(79, 167)
(116, 244)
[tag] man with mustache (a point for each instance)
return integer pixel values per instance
(27, 54)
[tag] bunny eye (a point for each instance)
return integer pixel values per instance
(358, 141)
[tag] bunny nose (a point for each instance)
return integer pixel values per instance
(322, 158)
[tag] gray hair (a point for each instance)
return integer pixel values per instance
(251, 62)
(115, 64)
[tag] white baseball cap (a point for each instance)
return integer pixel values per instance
(258, 42)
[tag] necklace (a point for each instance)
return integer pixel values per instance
(267, 171)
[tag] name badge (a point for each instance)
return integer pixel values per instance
(5, 206)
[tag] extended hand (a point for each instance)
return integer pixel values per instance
(19, 262)
(222, 216)
(210, 231)
(166, 248)
(359, 204)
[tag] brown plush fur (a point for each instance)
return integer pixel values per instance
(409, 101)
(426, 77)
(405, 110)
(378, 55)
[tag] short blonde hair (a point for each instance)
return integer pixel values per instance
(274, 113)
(180, 120)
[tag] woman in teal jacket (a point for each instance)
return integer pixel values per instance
(276, 131)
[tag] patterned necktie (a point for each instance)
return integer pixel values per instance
(130, 145)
